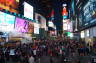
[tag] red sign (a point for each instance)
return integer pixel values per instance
(64, 13)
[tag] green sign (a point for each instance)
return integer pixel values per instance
(68, 34)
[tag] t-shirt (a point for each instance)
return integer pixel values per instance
(34, 51)
(12, 52)
(31, 59)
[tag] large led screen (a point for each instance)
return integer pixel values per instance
(21, 25)
(41, 19)
(28, 11)
(11, 5)
(89, 13)
(6, 22)
(30, 27)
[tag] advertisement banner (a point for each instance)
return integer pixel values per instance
(21, 25)
(28, 11)
(6, 22)
(30, 27)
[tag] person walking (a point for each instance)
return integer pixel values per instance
(34, 52)
(31, 59)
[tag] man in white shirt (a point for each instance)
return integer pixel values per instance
(31, 59)
(34, 52)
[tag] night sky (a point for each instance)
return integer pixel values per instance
(44, 10)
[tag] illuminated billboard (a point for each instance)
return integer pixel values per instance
(21, 25)
(36, 28)
(28, 11)
(6, 22)
(11, 5)
(30, 27)
(41, 20)
(89, 10)
(64, 12)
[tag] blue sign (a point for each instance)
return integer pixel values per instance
(64, 17)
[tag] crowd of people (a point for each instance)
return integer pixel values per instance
(30, 53)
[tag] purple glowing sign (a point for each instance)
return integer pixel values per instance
(21, 25)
